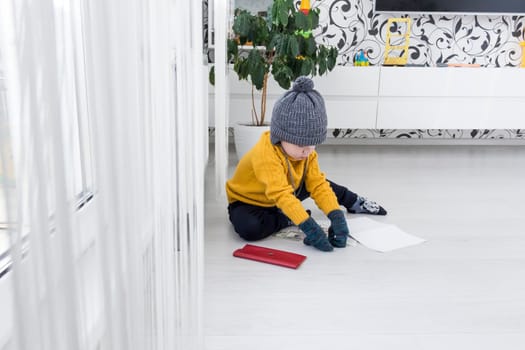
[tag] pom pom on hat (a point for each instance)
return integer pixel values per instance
(299, 116)
(303, 84)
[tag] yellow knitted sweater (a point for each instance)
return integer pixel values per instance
(263, 178)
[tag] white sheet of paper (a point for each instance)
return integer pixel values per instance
(380, 237)
(369, 233)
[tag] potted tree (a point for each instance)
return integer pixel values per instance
(280, 44)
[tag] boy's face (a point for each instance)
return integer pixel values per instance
(297, 152)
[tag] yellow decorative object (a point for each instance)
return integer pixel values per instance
(522, 44)
(305, 7)
(397, 60)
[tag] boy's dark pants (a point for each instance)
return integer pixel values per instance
(253, 223)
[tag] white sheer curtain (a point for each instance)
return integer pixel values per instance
(221, 17)
(125, 270)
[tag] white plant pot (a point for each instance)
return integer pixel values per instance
(246, 136)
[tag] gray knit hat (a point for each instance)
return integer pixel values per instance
(299, 116)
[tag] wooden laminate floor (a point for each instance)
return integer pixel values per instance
(462, 289)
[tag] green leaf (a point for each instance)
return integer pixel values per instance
(322, 59)
(274, 42)
(242, 24)
(283, 17)
(254, 58)
(256, 68)
(322, 67)
(233, 50)
(261, 33)
(290, 5)
(314, 69)
(282, 46)
(293, 46)
(276, 10)
(310, 46)
(322, 53)
(284, 77)
(313, 16)
(242, 68)
(302, 21)
(332, 58)
(211, 75)
(280, 10)
(307, 66)
(257, 75)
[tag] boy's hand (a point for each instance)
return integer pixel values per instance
(315, 235)
(338, 231)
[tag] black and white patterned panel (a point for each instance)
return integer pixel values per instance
(459, 134)
(444, 134)
(350, 25)
(205, 25)
(491, 41)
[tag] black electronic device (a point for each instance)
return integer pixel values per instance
(473, 7)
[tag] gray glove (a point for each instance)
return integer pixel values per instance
(315, 235)
(338, 231)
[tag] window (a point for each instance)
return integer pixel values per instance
(71, 49)
(70, 53)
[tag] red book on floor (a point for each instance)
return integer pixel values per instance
(270, 256)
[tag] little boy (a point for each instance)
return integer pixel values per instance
(282, 169)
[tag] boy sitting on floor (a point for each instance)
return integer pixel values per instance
(282, 169)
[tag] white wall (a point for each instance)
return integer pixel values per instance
(405, 98)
